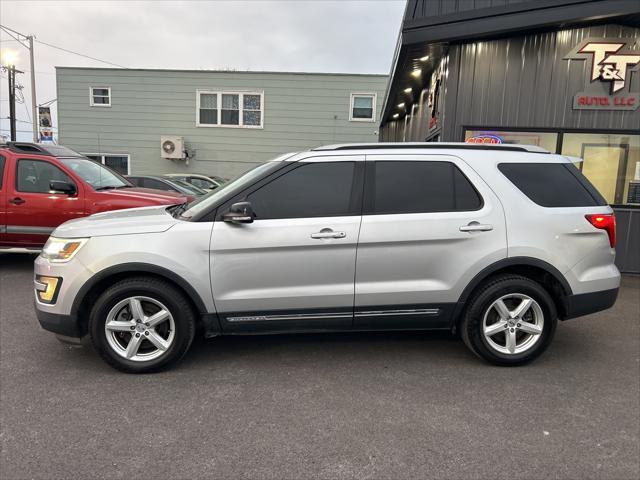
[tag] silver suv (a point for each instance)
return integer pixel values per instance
(494, 242)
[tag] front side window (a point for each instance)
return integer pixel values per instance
(230, 109)
(310, 190)
(35, 176)
(363, 107)
(156, 184)
(419, 187)
(100, 96)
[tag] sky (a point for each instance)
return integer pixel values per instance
(348, 36)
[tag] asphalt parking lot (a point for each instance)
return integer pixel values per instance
(401, 405)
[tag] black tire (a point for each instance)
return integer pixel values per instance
(173, 299)
(471, 326)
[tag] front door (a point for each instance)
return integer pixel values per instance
(429, 225)
(32, 211)
(292, 268)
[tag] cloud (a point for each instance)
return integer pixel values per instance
(293, 35)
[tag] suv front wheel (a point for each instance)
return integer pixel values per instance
(509, 321)
(142, 324)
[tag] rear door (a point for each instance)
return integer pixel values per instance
(32, 211)
(429, 225)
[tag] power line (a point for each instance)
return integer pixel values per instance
(10, 32)
(80, 54)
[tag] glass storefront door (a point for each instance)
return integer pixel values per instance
(610, 161)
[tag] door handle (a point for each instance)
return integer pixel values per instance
(17, 201)
(328, 233)
(476, 227)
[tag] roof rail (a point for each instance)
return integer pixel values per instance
(41, 149)
(432, 145)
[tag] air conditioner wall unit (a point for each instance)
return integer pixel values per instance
(172, 147)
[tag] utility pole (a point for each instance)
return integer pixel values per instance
(27, 42)
(11, 71)
(34, 105)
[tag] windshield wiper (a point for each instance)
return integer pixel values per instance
(113, 187)
(179, 209)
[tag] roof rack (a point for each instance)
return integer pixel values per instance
(432, 145)
(40, 149)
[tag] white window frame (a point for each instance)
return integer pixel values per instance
(108, 89)
(374, 96)
(102, 155)
(240, 94)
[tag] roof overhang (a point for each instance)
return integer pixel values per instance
(430, 36)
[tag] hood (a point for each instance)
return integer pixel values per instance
(148, 196)
(118, 222)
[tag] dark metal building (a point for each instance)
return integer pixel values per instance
(562, 74)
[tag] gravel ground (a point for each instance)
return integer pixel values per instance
(374, 405)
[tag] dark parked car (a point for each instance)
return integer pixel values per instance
(206, 182)
(167, 183)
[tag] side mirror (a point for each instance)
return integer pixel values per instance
(240, 212)
(58, 186)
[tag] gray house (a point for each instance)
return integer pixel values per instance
(213, 122)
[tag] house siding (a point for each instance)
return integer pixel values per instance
(301, 111)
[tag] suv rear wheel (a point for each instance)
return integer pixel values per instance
(509, 321)
(142, 324)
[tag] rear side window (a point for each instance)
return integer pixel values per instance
(34, 176)
(553, 184)
(1, 171)
(419, 187)
(322, 189)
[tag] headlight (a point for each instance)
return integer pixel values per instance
(60, 250)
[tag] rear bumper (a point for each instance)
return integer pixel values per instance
(587, 303)
(57, 323)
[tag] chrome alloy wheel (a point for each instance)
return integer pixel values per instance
(139, 328)
(513, 324)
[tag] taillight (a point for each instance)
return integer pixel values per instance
(605, 221)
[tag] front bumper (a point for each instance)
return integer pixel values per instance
(59, 324)
(58, 317)
(587, 303)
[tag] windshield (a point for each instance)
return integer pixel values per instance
(188, 186)
(96, 175)
(202, 203)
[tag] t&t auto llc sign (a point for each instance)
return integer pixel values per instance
(611, 62)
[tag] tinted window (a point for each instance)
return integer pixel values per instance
(157, 184)
(552, 184)
(420, 187)
(310, 190)
(137, 181)
(34, 176)
(1, 170)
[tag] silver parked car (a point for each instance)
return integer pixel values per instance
(494, 242)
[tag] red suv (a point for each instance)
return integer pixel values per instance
(42, 186)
